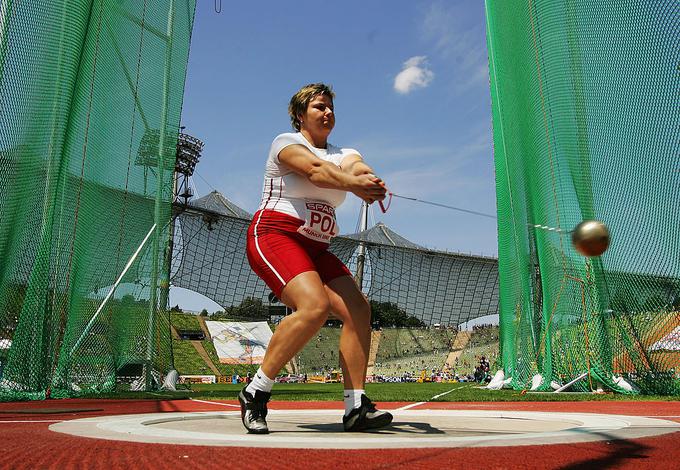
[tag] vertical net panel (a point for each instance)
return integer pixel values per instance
(86, 181)
(37, 75)
(586, 126)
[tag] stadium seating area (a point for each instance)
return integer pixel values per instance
(411, 365)
(401, 351)
(484, 335)
(407, 342)
(321, 353)
(484, 341)
(471, 356)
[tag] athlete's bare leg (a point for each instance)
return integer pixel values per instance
(306, 295)
(350, 306)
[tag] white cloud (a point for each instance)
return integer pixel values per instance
(415, 74)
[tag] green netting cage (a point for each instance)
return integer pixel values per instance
(586, 120)
(90, 101)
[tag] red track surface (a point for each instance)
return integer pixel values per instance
(26, 441)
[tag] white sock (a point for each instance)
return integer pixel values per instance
(260, 382)
(352, 399)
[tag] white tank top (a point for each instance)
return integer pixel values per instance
(293, 194)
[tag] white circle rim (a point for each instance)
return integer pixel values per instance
(584, 427)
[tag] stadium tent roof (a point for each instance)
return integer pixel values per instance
(216, 202)
(383, 235)
(435, 286)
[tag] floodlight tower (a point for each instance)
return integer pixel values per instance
(188, 154)
(189, 150)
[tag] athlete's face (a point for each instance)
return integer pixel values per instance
(319, 117)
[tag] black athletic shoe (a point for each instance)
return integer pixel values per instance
(366, 417)
(254, 411)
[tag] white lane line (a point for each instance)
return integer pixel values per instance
(442, 394)
(32, 421)
(658, 416)
(410, 406)
(214, 403)
(413, 405)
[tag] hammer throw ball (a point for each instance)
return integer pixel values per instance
(590, 238)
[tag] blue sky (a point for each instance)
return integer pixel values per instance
(412, 95)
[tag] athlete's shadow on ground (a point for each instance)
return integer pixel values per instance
(402, 427)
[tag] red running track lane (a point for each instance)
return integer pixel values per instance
(32, 445)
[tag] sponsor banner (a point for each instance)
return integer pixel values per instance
(670, 342)
(240, 342)
(204, 379)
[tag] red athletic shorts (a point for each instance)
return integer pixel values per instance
(277, 252)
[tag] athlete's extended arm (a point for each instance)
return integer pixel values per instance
(355, 165)
(325, 174)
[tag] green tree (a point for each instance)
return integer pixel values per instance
(389, 315)
(250, 308)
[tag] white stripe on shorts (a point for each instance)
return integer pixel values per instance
(257, 245)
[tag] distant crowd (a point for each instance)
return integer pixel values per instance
(481, 374)
(425, 358)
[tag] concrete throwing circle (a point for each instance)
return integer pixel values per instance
(322, 429)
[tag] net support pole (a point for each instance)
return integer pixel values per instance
(564, 387)
(167, 268)
(169, 247)
(361, 258)
(112, 290)
(153, 298)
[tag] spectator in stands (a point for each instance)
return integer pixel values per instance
(484, 363)
(482, 370)
(478, 374)
(305, 179)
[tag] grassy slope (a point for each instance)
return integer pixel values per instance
(183, 321)
(187, 360)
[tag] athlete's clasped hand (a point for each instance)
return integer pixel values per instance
(370, 188)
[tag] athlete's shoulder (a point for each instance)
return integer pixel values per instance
(349, 151)
(288, 137)
(282, 141)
